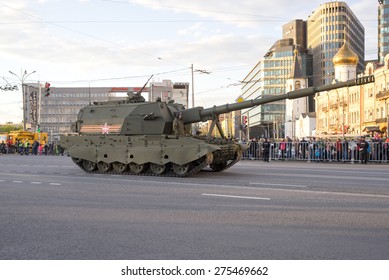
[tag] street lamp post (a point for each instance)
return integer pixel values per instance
(23, 76)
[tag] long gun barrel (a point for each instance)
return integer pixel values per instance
(199, 114)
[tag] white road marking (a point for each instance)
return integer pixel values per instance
(236, 196)
(55, 184)
(17, 181)
(339, 193)
(36, 183)
(278, 185)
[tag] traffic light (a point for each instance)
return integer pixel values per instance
(38, 129)
(47, 89)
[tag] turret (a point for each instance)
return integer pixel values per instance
(136, 117)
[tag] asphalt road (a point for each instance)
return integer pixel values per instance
(50, 209)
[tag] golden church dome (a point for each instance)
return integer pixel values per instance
(345, 56)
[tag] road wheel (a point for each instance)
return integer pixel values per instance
(104, 166)
(158, 168)
(89, 166)
(181, 170)
(137, 168)
(119, 167)
(219, 166)
(76, 160)
(205, 160)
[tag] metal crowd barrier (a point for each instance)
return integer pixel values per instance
(345, 151)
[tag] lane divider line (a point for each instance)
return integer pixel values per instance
(235, 196)
(278, 185)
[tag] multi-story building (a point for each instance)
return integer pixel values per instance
(380, 89)
(318, 39)
(327, 28)
(383, 29)
(167, 90)
(356, 110)
(269, 77)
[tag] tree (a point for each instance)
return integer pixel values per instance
(9, 126)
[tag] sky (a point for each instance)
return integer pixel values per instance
(81, 43)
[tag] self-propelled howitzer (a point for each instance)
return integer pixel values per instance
(136, 137)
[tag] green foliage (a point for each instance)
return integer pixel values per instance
(5, 128)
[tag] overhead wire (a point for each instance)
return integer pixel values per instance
(126, 77)
(186, 8)
(40, 20)
(87, 35)
(210, 72)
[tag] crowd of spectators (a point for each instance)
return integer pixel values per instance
(26, 148)
(322, 149)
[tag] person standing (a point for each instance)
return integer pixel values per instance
(345, 148)
(27, 147)
(178, 125)
(282, 149)
(338, 149)
(363, 150)
(21, 147)
(303, 148)
(386, 149)
(266, 150)
(35, 148)
(2, 148)
(288, 147)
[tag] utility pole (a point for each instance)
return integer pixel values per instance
(248, 126)
(39, 104)
(193, 100)
(200, 71)
(23, 76)
(192, 88)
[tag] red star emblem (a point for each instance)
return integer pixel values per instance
(105, 129)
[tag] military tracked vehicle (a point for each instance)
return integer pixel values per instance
(136, 137)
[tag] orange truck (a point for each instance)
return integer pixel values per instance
(31, 137)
